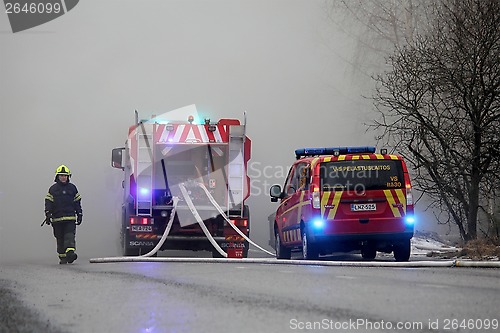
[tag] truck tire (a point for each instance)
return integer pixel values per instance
(128, 251)
(309, 250)
(246, 213)
(402, 250)
(216, 254)
(282, 252)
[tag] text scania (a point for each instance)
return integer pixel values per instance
(358, 324)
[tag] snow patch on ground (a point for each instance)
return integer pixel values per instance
(425, 246)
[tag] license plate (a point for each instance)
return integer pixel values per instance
(363, 207)
(142, 228)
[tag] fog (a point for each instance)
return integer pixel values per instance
(69, 89)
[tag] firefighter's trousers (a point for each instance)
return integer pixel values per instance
(65, 233)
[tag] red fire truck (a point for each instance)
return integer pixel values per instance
(344, 199)
(159, 158)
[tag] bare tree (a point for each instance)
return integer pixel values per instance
(439, 106)
(379, 26)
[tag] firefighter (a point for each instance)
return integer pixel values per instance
(63, 211)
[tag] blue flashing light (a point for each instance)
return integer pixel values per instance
(318, 224)
(367, 149)
(143, 191)
(410, 220)
(333, 150)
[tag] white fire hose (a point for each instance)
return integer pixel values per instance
(200, 221)
(214, 203)
(167, 230)
(198, 218)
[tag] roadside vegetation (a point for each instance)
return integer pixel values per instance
(437, 103)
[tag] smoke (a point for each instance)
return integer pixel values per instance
(69, 88)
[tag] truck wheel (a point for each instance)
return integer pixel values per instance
(402, 250)
(245, 250)
(128, 251)
(216, 254)
(144, 251)
(246, 213)
(368, 251)
(309, 250)
(281, 251)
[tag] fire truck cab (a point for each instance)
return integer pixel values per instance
(208, 160)
(344, 199)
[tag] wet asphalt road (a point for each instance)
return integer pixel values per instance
(215, 297)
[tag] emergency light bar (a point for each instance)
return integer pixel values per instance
(332, 151)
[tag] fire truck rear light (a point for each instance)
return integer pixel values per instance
(132, 220)
(240, 223)
(316, 199)
(144, 220)
(409, 195)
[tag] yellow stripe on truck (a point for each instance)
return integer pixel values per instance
(325, 197)
(401, 198)
(392, 203)
(335, 203)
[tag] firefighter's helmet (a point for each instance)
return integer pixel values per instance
(62, 170)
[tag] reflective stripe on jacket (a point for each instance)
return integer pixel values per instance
(63, 201)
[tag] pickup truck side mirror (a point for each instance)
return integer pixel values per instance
(275, 193)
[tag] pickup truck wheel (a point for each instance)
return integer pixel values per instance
(309, 250)
(402, 250)
(281, 251)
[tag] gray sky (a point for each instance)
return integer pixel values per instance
(68, 90)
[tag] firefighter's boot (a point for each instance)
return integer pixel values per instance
(71, 256)
(62, 259)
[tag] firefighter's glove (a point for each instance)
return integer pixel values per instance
(79, 219)
(48, 217)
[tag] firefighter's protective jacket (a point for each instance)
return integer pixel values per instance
(63, 201)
